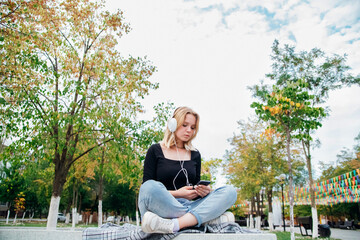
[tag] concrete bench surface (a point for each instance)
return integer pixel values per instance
(226, 236)
(76, 234)
(39, 234)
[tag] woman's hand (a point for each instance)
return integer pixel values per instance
(187, 192)
(202, 190)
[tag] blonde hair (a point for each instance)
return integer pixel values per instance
(180, 114)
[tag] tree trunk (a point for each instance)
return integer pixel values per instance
(67, 217)
(15, 218)
(8, 215)
(101, 183)
(100, 214)
(53, 212)
(306, 148)
(251, 212)
(136, 211)
(291, 190)
(258, 211)
(270, 216)
(73, 217)
(61, 171)
(79, 210)
(23, 216)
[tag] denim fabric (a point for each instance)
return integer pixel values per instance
(154, 197)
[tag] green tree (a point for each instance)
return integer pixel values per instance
(209, 169)
(11, 177)
(67, 67)
(38, 176)
(288, 110)
(322, 73)
(256, 158)
(119, 198)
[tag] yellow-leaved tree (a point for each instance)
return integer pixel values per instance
(256, 158)
(63, 82)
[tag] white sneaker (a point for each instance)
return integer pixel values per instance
(152, 223)
(225, 217)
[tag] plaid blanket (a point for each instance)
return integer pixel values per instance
(127, 231)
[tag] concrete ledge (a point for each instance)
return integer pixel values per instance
(226, 236)
(64, 234)
(39, 234)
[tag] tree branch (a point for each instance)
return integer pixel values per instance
(41, 112)
(11, 12)
(90, 149)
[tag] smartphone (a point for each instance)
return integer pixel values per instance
(203, 182)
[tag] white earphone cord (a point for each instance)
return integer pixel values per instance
(181, 170)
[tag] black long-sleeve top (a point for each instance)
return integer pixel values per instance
(159, 168)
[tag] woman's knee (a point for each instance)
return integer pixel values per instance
(149, 187)
(231, 193)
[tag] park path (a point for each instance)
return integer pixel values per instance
(336, 233)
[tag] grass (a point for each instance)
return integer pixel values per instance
(43, 224)
(286, 236)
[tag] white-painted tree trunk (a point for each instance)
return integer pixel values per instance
(247, 222)
(23, 216)
(292, 229)
(91, 218)
(137, 218)
(315, 222)
(258, 222)
(271, 221)
(7, 218)
(15, 218)
(251, 221)
(73, 217)
(53, 213)
(67, 218)
(77, 216)
(100, 214)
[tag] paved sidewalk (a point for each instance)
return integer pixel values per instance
(336, 233)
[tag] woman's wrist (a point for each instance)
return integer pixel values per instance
(174, 193)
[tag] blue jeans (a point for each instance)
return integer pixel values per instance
(154, 197)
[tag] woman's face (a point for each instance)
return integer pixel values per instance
(185, 132)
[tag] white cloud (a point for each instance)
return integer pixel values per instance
(206, 59)
(343, 15)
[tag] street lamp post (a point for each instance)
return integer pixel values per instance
(283, 205)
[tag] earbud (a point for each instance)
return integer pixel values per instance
(172, 124)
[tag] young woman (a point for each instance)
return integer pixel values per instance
(170, 198)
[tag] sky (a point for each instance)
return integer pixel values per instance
(207, 52)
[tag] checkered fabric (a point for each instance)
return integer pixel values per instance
(110, 231)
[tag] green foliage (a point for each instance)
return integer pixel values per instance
(66, 92)
(210, 168)
(340, 211)
(321, 72)
(119, 198)
(302, 210)
(11, 181)
(289, 109)
(255, 159)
